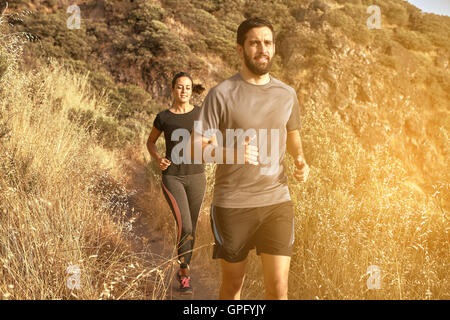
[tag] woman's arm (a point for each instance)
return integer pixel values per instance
(163, 163)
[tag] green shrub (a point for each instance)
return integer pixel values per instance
(208, 6)
(198, 44)
(84, 118)
(99, 29)
(318, 60)
(221, 45)
(277, 13)
(146, 11)
(387, 61)
(396, 14)
(202, 21)
(56, 40)
(382, 39)
(412, 40)
(435, 28)
(136, 100)
(110, 134)
(338, 18)
(344, 2)
(361, 35)
(357, 13)
(352, 22)
(440, 40)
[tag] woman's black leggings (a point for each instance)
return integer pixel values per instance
(185, 196)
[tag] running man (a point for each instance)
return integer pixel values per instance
(241, 120)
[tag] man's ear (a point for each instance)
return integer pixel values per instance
(240, 50)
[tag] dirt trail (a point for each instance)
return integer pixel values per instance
(155, 228)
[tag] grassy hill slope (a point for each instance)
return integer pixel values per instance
(376, 121)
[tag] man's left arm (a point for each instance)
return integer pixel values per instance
(295, 149)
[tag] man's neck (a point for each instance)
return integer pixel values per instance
(252, 78)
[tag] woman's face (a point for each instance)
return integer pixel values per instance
(183, 90)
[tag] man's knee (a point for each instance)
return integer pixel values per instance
(233, 283)
(233, 277)
(277, 289)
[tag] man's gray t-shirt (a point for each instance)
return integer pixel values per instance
(270, 110)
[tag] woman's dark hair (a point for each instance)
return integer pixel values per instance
(196, 88)
(180, 75)
(250, 23)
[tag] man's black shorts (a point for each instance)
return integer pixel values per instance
(238, 230)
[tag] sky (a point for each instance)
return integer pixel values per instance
(434, 6)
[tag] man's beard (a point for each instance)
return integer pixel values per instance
(258, 69)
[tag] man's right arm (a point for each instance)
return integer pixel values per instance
(210, 147)
(204, 139)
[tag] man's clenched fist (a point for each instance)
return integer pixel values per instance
(301, 169)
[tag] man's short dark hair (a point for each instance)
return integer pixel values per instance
(250, 23)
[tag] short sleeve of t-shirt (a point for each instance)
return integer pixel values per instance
(157, 123)
(210, 114)
(294, 121)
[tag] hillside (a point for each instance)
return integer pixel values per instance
(391, 86)
(375, 106)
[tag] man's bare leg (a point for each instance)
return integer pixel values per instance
(233, 275)
(276, 273)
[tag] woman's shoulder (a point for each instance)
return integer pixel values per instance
(163, 113)
(160, 120)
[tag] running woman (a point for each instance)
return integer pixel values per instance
(251, 204)
(183, 184)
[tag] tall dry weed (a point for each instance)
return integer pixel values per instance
(61, 207)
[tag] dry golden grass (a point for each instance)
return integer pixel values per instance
(356, 211)
(61, 206)
(62, 202)
(358, 208)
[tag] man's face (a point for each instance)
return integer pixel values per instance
(258, 50)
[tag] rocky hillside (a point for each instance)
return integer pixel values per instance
(376, 123)
(391, 86)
